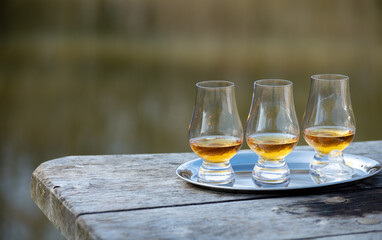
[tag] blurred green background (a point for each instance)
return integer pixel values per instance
(118, 77)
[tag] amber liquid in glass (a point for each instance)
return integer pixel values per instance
(216, 149)
(272, 146)
(326, 139)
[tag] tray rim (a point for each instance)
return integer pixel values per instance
(278, 189)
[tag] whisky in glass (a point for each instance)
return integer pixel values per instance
(215, 131)
(272, 130)
(328, 122)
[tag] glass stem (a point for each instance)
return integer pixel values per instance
(270, 172)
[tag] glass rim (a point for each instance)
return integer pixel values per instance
(272, 82)
(329, 77)
(213, 84)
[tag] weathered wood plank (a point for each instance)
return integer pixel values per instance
(328, 215)
(377, 235)
(64, 188)
(68, 187)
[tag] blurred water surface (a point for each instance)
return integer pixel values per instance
(118, 77)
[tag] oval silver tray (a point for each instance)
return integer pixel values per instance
(298, 163)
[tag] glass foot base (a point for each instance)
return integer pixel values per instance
(216, 173)
(332, 171)
(318, 162)
(268, 173)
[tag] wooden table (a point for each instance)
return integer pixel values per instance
(140, 197)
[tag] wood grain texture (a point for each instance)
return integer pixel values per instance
(296, 217)
(73, 191)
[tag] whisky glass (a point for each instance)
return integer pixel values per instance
(328, 122)
(215, 132)
(272, 130)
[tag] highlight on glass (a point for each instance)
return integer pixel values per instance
(328, 122)
(272, 130)
(215, 132)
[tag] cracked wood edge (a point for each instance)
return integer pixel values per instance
(56, 210)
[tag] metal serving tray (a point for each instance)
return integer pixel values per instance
(298, 163)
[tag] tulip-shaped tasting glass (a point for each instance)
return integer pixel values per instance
(215, 132)
(328, 122)
(272, 130)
